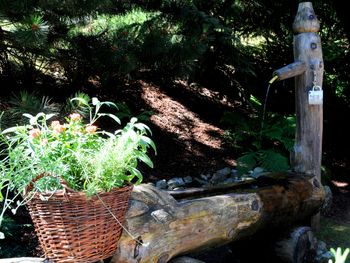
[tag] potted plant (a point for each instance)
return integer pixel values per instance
(74, 178)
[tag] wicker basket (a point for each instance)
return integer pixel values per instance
(74, 228)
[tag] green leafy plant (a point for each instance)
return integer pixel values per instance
(28, 102)
(339, 255)
(86, 158)
(77, 103)
(267, 146)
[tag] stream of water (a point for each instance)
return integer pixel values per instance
(264, 109)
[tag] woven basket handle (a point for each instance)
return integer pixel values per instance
(38, 177)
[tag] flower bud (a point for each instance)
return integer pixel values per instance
(55, 123)
(90, 128)
(59, 128)
(34, 133)
(75, 116)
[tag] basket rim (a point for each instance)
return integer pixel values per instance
(60, 193)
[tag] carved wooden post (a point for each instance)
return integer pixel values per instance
(306, 157)
(308, 72)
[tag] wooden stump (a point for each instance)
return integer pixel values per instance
(299, 247)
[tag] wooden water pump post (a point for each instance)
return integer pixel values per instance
(308, 72)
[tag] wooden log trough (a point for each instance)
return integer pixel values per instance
(165, 224)
(165, 227)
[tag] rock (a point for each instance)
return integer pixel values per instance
(230, 180)
(178, 188)
(321, 247)
(175, 182)
(161, 184)
(325, 257)
(185, 260)
(234, 173)
(220, 175)
(188, 179)
(258, 170)
(205, 177)
(225, 171)
(327, 205)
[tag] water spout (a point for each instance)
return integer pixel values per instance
(273, 79)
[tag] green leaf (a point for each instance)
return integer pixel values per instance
(149, 141)
(255, 100)
(81, 100)
(109, 104)
(144, 158)
(95, 101)
(246, 163)
(112, 116)
(143, 127)
(340, 257)
(29, 116)
(136, 173)
(273, 161)
(49, 116)
(12, 129)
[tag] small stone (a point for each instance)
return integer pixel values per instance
(230, 180)
(178, 188)
(224, 172)
(175, 182)
(234, 173)
(205, 177)
(220, 175)
(321, 246)
(185, 260)
(161, 184)
(188, 179)
(325, 257)
(258, 170)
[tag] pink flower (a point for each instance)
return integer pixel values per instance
(34, 133)
(44, 141)
(58, 128)
(75, 116)
(90, 128)
(55, 123)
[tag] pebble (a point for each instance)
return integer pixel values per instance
(175, 182)
(188, 179)
(161, 184)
